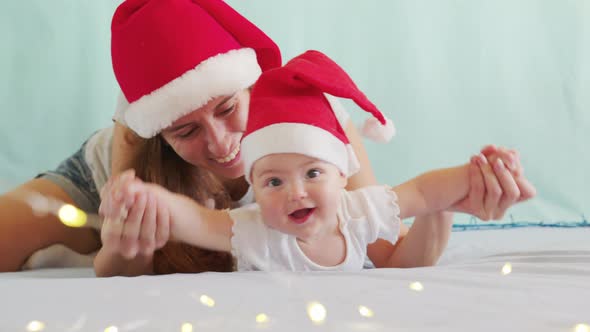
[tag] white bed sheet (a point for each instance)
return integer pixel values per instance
(548, 290)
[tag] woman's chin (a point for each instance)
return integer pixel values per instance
(232, 172)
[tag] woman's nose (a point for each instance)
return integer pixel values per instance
(218, 141)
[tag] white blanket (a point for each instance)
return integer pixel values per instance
(548, 289)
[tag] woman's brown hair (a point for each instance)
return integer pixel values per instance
(158, 163)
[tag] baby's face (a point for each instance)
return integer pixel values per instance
(297, 194)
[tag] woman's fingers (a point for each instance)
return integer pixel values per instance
(110, 234)
(477, 186)
(527, 190)
(510, 158)
(131, 227)
(509, 188)
(163, 225)
(147, 237)
(115, 194)
(493, 189)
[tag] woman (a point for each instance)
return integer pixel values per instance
(196, 148)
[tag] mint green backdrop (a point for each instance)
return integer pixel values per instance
(453, 75)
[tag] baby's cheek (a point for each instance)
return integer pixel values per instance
(270, 215)
(268, 204)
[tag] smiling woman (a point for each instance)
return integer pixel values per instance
(210, 138)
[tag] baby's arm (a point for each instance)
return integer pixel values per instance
(195, 224)
(433, 191)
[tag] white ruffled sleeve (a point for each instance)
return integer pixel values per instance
(375, 212)
(250, 238)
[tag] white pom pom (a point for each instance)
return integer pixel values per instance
(375, 131)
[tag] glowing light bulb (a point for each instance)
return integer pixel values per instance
(35, 326)
(261, 318)
(507, 269)
(316, 312)
(416, 286)
(186, 327)
(72, 216)
(207, 301)
(582, 328)
(365, 312)
(111, 329)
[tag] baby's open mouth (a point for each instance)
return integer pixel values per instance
(301, 215)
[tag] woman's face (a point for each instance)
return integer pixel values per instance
(210, 136)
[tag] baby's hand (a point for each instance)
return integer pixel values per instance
(134, 222)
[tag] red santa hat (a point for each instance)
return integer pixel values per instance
(289, 113)
(171, 57)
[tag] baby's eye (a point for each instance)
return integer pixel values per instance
(313, 173)
(274, 182)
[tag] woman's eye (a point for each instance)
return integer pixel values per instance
(188, 133)
(313, 173)
(226, 111)
(274, 182)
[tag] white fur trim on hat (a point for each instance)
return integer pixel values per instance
(376, 131)
(220, 75)
(353, 162)
(295, 138)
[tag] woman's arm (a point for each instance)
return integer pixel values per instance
(109, 264)
(126, 147)
(429, 223)
(424, 243)
(365, 176)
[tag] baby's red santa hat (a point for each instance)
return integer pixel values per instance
(171, 57)
(289, 113)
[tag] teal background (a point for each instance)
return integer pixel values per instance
(454, 75)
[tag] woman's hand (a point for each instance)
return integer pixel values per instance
(135, 222)
(496, 183)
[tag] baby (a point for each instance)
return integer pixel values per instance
(297, 160)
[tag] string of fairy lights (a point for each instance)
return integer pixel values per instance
(317, 313)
